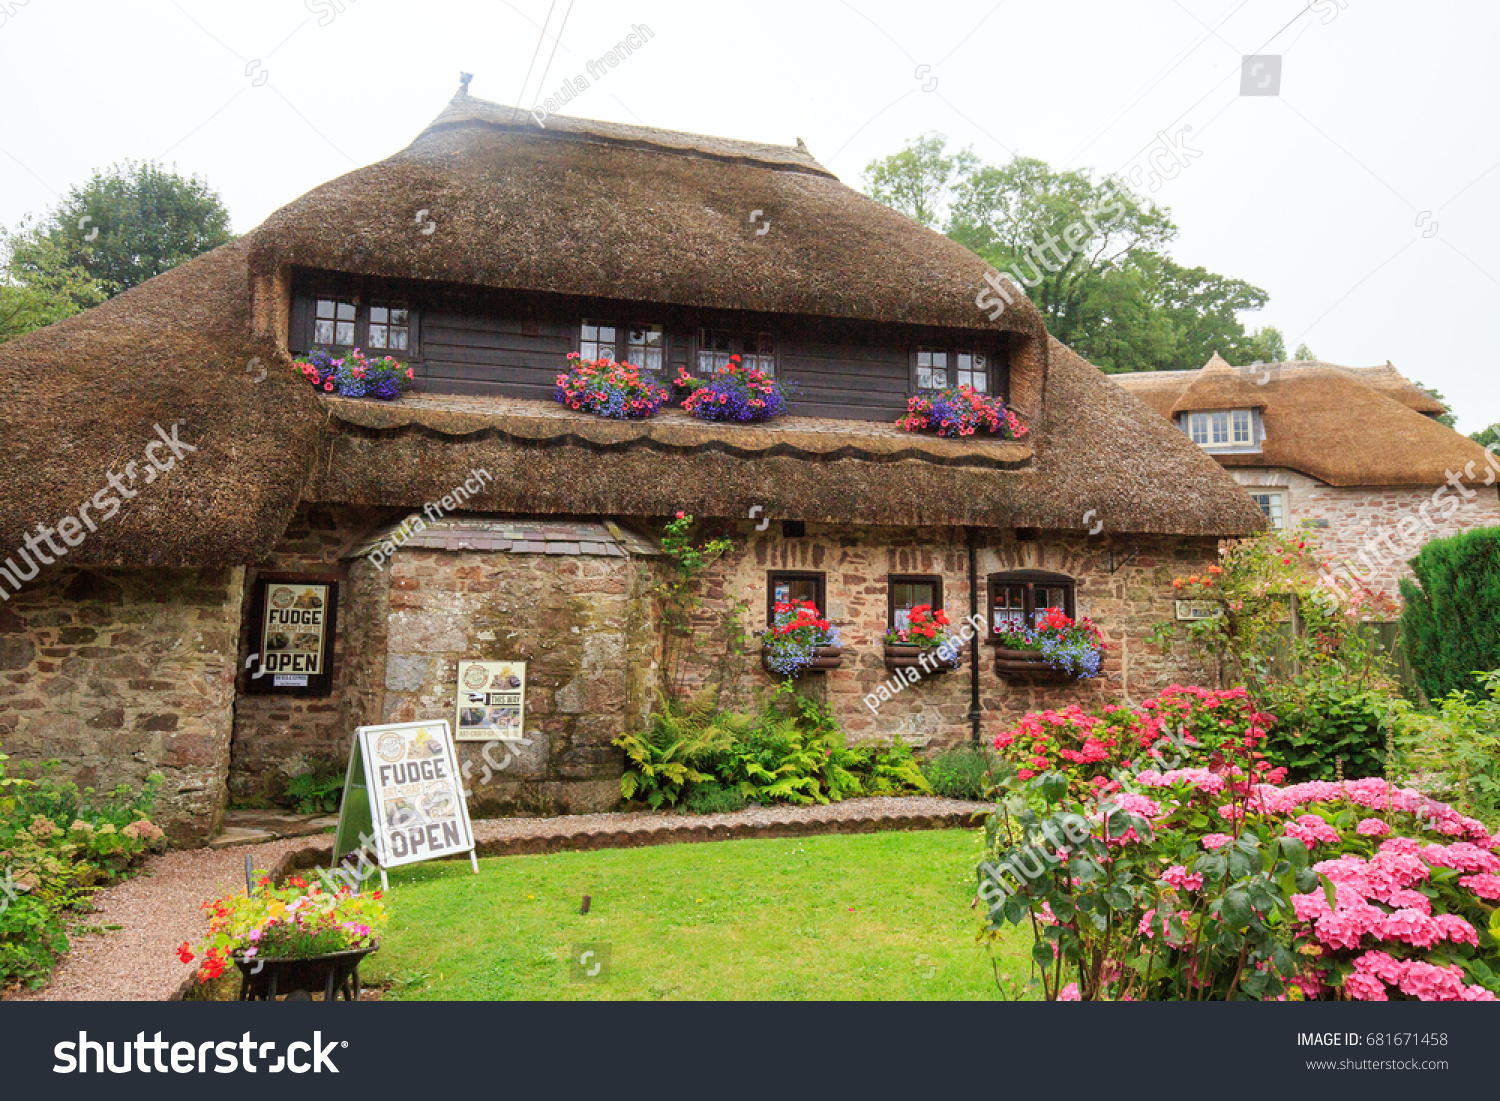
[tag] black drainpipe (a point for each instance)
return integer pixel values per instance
(971, 536)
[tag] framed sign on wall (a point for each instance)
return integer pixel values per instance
(295, 620)
(491, 701)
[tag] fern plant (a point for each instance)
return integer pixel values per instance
(664, 760)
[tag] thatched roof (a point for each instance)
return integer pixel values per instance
(1346, 426)
(582, 208)
(626, 212)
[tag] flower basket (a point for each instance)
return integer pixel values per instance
(824, 658)
(903, 656)
(335, 974)
(960, 411)
(1030, 663)
(619, 391)
(799, 641)
(735, 393)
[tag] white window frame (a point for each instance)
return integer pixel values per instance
(1222, 429)
(1277, 511)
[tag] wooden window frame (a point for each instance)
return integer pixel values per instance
(1030, 579)
(738, 342)
(892, 580)
(820, 587)
(952, 352)
(388, 305)
(1272, 491)
(623, 329)
(362, 303)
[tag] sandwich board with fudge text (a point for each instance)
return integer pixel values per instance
(404, 790)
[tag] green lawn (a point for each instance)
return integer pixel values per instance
(865, 916)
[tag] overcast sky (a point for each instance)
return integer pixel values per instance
(1362, 197)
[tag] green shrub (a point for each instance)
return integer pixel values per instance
(662, 760)
(1451, 623)
(32, 940)
(57, 846)
(712, 797)
(962, 772)
(319, 789)
(1457, 748)
(1323, 722)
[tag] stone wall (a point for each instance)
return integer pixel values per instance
(277, 737)
(122, 673)
(584, 627)
(1359, 518)
(856, 563)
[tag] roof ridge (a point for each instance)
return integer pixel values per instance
(466, 110)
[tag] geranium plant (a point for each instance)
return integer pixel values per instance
(609, 389)
(927, 630)
(1074, 648)
(737, 393)
(960, 411)
(797, 630)
(296, 921)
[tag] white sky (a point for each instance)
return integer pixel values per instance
(1324, 195)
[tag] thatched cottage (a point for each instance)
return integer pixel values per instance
(1354, 454)
(231, 585)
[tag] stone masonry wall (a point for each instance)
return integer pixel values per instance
(122, 673)
(584, 627)
(278, 737)
(934, 711)
(1357, 516)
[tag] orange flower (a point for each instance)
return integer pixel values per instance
(1216, 569)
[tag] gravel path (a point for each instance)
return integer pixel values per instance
(159, 909)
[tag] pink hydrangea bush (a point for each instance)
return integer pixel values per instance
(1203, 877)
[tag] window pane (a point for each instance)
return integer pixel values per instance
(379, 315)
(1241, 426)
(378, 337)
(1051, 596)
(1221, 427)
(1198, 423)
(398, 316)
(906, 595)
(398, 339)
(346, 312)
(1271, 505)
(1008, 606)
(323, 332)
(325, 307)
(344, 332)
(795, 590)
(973, 370)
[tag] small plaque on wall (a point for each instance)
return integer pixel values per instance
(292, 634)
(491, 701)
(1197, 609)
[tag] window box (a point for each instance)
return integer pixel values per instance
(1030, 664)
(824, 659)
(902, 656)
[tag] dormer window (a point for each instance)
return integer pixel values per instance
(340, 322)
(333, 324)
(1222, 429)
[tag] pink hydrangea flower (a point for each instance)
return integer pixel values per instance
(1069, 993)
(1410, 926)
(1364, 987)
(1179, 877)
(1485, 886)
(1372, 827)
(1310, 829)
(1215, 840)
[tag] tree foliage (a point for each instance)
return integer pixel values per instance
(1090, 253)
(125, 225)
(1452, 616)
(1446, 416)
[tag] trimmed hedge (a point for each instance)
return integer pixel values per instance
(1451, 623)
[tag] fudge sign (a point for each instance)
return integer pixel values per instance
(294, 633)
(415, 792)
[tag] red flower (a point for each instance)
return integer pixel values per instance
(184, 953)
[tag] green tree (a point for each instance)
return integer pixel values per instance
(1451, 622)
(51, 291)
(918, 180)
(1488, 435)
(128, 223)
(1089, 252)
(1446, 416)
(1304, 353)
